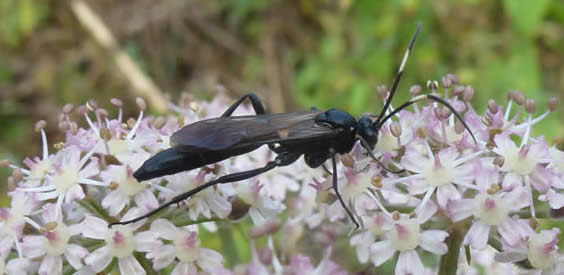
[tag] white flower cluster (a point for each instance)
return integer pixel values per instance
(439, 191)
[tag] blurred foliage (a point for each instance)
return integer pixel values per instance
(323, 53)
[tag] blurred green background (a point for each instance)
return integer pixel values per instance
(294, 54)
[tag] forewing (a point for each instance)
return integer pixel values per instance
(232, 132)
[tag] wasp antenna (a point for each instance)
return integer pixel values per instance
(433, 98)
(398, 75)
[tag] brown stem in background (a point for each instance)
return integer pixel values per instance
(141, 83)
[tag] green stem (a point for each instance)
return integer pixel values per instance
(95, 209)
(229, 248)
(449, 261)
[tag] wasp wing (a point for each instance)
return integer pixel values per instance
(243, 131)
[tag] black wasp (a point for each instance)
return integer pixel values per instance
(317, 135)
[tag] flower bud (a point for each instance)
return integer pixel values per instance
(530, 106)
(459, 127)
(105, 134)
(446, 82)
(40, 125)
(458, 90)
(552, 103)
(102, 112)
(82, 110)
(414, 90)
(395, 129)
(442, 113)
(4, 163)
(377, 181)
(382, 90)
(511, 95)
(468, 93)
(518, 97)
(498, 161)
(116, 102)
(141, 103)
(67, 109)
(492, 106)
(265, 256)
(453, 78)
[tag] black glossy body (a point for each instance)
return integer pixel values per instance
(316, 135)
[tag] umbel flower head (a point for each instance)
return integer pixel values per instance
(434, 189)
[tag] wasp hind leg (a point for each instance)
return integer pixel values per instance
(255, 101)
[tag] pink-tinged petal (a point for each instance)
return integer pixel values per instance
(94, 228)
(43, 196)
(426, 211)
(517, 198)
(74, 255)
(448, 155)
(555, 199)
(511, 181)
(478, 235)
(6, 243)
(75, 229)
(335, 212)
(445, 193)
(131, 214)
(514, 231)
(539, 150)
(503, 143)
(414, 162)
(409, 263)
(183, 268)
(166, 229)
(20, 266)
(162, 257)
(90, 169)
(130, 265)
(75, 192)
(542, 178)
(115, 201)
(510, 256)
(433, 241)
(49, 213)
(381, 251)
(460, 209)
(146, 200)
(51, 265)
(210, 259)
(219, 205)
(362, 243)
(99, 259)
(417, 185)
(147, 241)
(34, 246)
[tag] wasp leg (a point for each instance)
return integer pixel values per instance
(349, 213)
(280, 160)
(255, 101)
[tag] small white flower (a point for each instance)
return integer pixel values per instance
(184, 251)
(121, 241)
